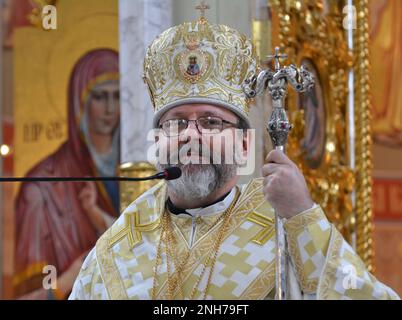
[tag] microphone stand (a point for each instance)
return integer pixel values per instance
(168, 174)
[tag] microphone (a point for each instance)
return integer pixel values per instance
(169, 173)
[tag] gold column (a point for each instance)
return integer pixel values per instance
(131, 190)
(361, 68)
(262, 38)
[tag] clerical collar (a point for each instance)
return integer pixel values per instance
(215, 206)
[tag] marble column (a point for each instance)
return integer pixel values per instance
(140, 21)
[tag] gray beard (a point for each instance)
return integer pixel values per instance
(197, 181)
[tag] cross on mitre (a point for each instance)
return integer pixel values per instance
(202, 7)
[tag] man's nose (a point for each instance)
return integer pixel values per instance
(190, 133)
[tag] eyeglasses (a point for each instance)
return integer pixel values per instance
(205, 125)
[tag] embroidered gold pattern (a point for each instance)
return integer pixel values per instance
(133, 230)
(268, 227)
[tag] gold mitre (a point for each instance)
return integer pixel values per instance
(199, 62)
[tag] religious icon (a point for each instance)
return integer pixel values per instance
(193, 68)
(193, 65)
(386, 64)
(315, 120)
(57, 223)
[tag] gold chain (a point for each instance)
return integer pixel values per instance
(169, 241)
(158, 257)
(215, 249)
(172, 244)
(167, 236)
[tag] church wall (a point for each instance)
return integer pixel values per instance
(386, 52)
(8, 21)
(387, 207)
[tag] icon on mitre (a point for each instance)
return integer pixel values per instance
(193, 69)
(193, 65)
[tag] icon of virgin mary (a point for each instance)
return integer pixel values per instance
(58, 222)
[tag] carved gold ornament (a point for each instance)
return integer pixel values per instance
(313, 34)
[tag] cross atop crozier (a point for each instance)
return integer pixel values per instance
(277, 56)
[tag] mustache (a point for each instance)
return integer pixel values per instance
(189, 150)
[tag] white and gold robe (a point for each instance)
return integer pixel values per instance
(322, 264)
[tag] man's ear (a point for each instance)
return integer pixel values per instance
(246, 142)
(156, 134)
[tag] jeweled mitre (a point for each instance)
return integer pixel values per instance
(199, 62)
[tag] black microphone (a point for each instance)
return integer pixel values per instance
(169, 173)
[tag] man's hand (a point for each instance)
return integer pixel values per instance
(284, 185)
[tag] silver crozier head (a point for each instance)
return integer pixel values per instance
(276, 82)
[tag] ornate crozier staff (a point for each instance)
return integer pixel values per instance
(276, 82)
